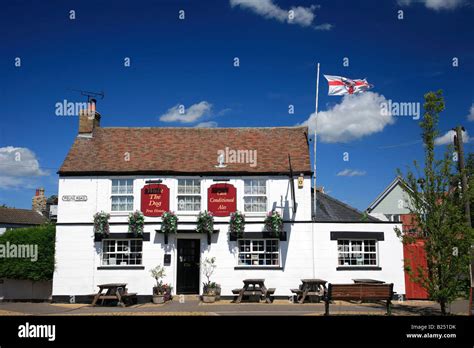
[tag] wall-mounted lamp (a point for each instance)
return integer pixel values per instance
(300, 181)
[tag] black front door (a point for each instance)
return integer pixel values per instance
(188, 266)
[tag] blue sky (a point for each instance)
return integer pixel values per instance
(191, 62)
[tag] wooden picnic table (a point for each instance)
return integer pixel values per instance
(368, 281)
(254, 287)
(310, 287)
(115, 291)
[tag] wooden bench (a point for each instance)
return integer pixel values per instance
(256, 292)
(269, 295)
(360, 292)
(129, 298)
(236, 293)
(311, 295)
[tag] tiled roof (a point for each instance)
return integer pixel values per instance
(187, 150)
(20, 217)
(331, 209)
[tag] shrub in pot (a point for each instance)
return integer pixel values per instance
(210, 289)
(169, 224)
(205, 224)
(136, 222)
(160, 291)
(209, 294)
(237, 224)
(274, 223)
(101, 224)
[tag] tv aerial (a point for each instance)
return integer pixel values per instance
(91, 95)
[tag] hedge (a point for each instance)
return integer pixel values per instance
(24, 268)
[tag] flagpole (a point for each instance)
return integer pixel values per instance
(315, 141)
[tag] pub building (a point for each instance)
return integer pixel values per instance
(190, 170)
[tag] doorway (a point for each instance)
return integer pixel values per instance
(187, 278)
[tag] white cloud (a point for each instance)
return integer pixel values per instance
(324, 26)
(436, 5)
(351, 172)
(7, 182)
(470, 117)
(224, 111)
(208, 124)
(354, 117)
(17, 163)
(179, 113)
(303, 16)
(448, 138)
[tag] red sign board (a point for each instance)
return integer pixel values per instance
(221, 199)
(155, 199)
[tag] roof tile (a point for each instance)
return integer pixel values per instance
(187, 150)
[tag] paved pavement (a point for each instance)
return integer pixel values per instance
(190, 305)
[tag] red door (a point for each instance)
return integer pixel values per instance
(415, 256)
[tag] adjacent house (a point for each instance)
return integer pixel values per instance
(17, 218)
(222, 170)
(392, 204)
(42, 211)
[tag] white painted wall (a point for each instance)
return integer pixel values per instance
(78, 256)
(390, 254)
(98, 191)
(307, 253)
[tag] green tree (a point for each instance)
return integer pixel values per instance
(470, 183)
(437, 207)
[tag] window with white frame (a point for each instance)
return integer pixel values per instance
(255, 195)
(122, 252)
(122, 194)
(189, 195)
(357, 252)
(259, 252)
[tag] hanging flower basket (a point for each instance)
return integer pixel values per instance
(101, 224)
(136, 222)
(205, 224)
(237, 223)
(169, 224)
(274, 223)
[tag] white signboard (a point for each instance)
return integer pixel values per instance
(72, 198)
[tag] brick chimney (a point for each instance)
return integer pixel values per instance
(89, 119)
(39, 200)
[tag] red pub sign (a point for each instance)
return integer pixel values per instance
(155, 199)
(221, 199)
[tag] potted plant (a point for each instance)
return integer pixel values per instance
(101, 225)
(274, 223)
(136, 221)
(210, 289)
(205, 224)
(237, 223)
(167, 290)
(160, 290)
(169, 224)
